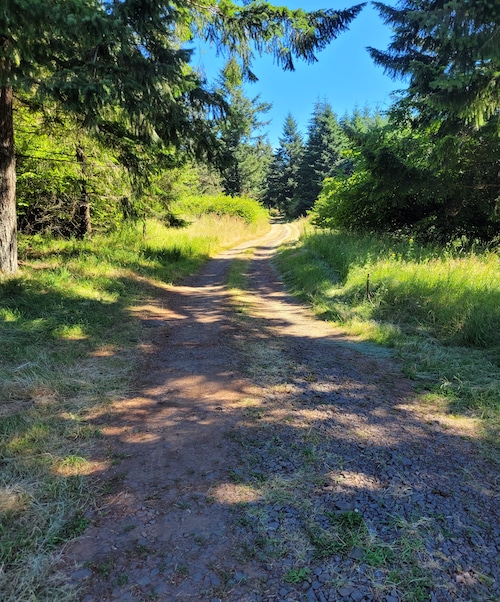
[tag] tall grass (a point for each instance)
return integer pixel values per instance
(439, 307)
(68, 345)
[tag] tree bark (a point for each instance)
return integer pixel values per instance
(8, 222)
(84, 222)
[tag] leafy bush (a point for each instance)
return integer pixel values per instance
(247, 209)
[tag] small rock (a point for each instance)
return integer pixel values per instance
(343, 506)
(345, 592)
(356, 553)
(214, 580)
(81, 574)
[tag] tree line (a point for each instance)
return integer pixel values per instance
(431, 165)
(119, 69)
(106, 110)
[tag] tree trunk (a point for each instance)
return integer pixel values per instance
(8, 223)
(84, 223)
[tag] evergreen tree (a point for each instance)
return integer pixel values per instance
(246, 153)
(119, 65)
(282, 178)
(322, 157)
(449, 51)
(406, 179)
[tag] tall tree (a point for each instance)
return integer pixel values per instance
(282, 179)
(120, 66)
(245, 150)
(322, 157)
(449, 51)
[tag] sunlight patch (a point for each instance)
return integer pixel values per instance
(229, 493)
(12, 500)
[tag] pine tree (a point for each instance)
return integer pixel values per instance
(322, 157)
(282, 180)
(449, 51)
(245, 151)
(120, 66)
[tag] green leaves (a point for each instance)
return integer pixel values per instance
(450, 54)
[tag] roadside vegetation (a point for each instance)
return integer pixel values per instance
(437, 307)
(69, 346)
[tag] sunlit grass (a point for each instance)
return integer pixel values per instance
(439, 308)
(69, 345)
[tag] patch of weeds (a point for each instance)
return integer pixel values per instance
(269, 547)
(485, 579)
(237, 276)
(349, 520)
(72, 528)
(103, 569)
(142, 551)
(313, 437)
(347, 531)
(236, 477)
(297, 575)
(246, 552)
(122, 579)
(413, 581)
(378, 555)
(255, 413)
(116, 458)
(258, 476)
(182, 570)
(84, 432)
(309, 455)
(128, 528)
(326, 543)
(243, 521)
(200, 540)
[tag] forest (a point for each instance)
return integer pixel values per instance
(96, 146)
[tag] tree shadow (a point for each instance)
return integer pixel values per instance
(251, 446)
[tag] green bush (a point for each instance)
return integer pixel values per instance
(247, 209)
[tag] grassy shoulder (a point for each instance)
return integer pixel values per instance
(439, 309)
(70, 340)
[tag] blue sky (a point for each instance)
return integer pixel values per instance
(344, 75)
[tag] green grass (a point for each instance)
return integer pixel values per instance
(439, 308)
(69, 344)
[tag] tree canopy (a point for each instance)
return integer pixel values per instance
(322, 157)
(433, 169)
(122, 67)
(449, 50)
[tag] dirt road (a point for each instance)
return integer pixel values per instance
(264, 456)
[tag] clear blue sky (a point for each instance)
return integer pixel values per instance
(344, 75)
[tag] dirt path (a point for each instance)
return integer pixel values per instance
(264, 457)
